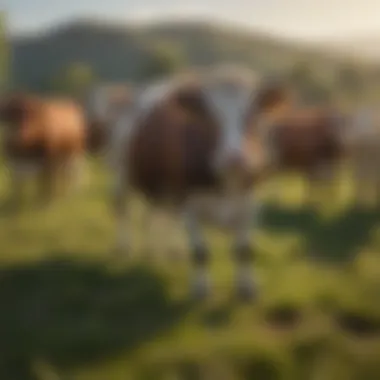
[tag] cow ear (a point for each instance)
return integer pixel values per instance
(271, 96)
(191, 100)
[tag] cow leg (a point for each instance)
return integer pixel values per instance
(356, 189)
(61, 178)
(243, 253)
(169, 234)
(48, 182)
(321, 184)
(154, 232)
(200, 256)
(311, 190)
(328, 188)
(160, 233)
(356, 193)
(75, 174)
(81, 178)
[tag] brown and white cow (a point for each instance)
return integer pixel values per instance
(363, 140)
(44, 137)
(104, 106)
(308, 139)
(187, 145)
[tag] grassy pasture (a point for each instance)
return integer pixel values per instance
(69, 310)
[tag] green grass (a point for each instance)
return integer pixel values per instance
(66, 304)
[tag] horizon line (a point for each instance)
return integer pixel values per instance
(134, 22)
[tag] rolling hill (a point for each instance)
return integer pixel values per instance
(117, 52)
(366, 47)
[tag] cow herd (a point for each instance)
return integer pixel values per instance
(195, 145)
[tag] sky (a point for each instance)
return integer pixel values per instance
(300, 19)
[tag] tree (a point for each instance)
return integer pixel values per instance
(73, 80)
(163, 59)
(310, 87)
(300, 73)
(350, 81)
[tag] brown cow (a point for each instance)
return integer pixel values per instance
(187, 146)
(363, 139)
(310, 140)
(42, 135)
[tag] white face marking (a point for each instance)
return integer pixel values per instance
(229, 103)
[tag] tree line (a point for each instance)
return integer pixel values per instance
(349, 81)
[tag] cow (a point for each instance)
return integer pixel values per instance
(42, 136)
(187, 146)
(363, 139)
(310, 140)
(104, 106)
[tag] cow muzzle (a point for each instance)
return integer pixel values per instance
(233, 164)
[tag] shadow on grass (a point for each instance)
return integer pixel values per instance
(71, 314)
(218, 316)
(339, 239)
(361, 326)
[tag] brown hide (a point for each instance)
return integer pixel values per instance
(306, 138)
(42, 130)
(171, 150)
(270, 98)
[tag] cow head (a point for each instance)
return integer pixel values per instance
(305, 137)
(237, 103)
(228, 99)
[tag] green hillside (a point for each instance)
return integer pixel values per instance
(117, 52)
